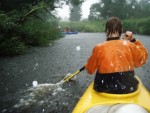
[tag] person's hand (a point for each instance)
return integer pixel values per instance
(128, 36)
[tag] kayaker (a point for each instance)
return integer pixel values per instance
(115, 60)
(67, 29)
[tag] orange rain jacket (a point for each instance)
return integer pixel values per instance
(116, 56)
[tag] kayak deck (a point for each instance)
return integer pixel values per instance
(92, 98)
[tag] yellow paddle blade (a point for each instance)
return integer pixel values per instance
(71, 76)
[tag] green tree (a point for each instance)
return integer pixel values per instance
(108, 8)
(121, 8)
(95, 12)
(75, 14)
(144, 8)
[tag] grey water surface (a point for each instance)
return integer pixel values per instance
(49, 65)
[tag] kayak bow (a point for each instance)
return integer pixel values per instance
(94, 100)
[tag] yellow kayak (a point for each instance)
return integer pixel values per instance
(94, 102)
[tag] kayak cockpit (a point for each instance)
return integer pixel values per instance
(129, 95)
(117, 108)
(96, 102)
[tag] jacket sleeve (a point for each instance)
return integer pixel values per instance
(140, 54)
(91, 64)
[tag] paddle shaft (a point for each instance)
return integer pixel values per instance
(74, 74)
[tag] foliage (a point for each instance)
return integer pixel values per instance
(37, 33)
(95, 12)
(76, 2)
(75, 14)
(10, 40)
(15, 37)
(124, 9)
(20, 29)
(108, 8)
(130, 11)
(26, 23)
(75, 10)
(12, 46)
(140, 26)
(9, 5)
(84, 26)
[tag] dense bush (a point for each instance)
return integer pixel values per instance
(37, 33)
(12, 46)
(10, 40)
(139, 26)
(144, 26)
(16, 37)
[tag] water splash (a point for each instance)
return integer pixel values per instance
(38, 91)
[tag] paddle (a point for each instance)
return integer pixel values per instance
(65, 79)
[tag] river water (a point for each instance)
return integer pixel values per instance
(47, 66)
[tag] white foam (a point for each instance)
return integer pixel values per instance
(37, 91)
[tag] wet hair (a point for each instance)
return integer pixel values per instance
(113, 25)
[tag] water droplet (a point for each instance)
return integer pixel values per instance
(34, 83)
(36, 64)
(129, 67)
(142, 62)
(102, 5)
(78, 48)
(21, 100)
(133, 7)
(26, 103)
(131, 89)
(111, 64)
(34, 68)
(32, 94)
(125, 42)
(102, 81)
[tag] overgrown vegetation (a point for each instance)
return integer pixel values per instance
(124, 9)
(16, 37)
(27, 23)
(38, 33)
(133, 13)
(84, 26)
(139, 26)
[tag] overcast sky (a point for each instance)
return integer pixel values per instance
(64, 12)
